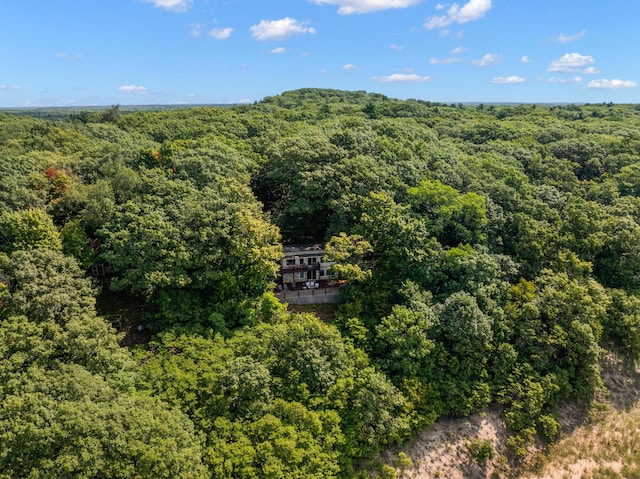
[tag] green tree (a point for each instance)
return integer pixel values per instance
(618, 263)
(403, 341)
(235, 391)
(27, 229)
(48, 285)
(196, 252)
(402, 247)
(555, 325)
(76, 243)
(68, 423)
(622, 323)
(287, 441)
(454, 217)
(49, 318)
(350, 255)
(463, 337)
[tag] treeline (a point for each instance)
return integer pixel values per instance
(492, 254)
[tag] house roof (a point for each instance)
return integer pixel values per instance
(303, 248)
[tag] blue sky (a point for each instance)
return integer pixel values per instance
(106, 52)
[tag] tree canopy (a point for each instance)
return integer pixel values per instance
(490, 255)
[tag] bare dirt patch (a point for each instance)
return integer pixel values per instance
(598, 442)
(442, 450)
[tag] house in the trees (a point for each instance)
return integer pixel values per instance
(303, 267)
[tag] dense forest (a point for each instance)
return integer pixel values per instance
(491, 255)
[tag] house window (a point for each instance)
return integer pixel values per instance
(291, 262)
(323, 272)
(301, 260)
(302, 275)
(312, 260)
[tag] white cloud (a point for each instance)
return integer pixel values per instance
(612, 84)
(171, 5)
(348, 7)
(133, 89)
(278, 50)
(402, 78)
(221, 33)
(488, 59)
(591, 71)
(470, 11)
(67, 56)
(511, 80)
(395, 47)
(570, 63)
(458, 50)
(279, 30)
(10, 87)
(577, 79)
(444, 61)
(562, 38)
(349, 66)
(196, 29)
(525, 59)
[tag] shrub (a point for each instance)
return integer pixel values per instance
(481, 450)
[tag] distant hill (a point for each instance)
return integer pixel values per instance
(63, 112)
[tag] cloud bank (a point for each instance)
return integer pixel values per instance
(348, 7)
(570, 63)
(133, 89)
(508, 80)
(221, 33)
(488, 59)
(562, 38)
(278, 30)
(605, 84)
(402, 78)
(171, 5)
(565, 81)
(470, 11)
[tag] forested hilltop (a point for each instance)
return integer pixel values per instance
(492, 254)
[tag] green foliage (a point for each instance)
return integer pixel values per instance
(49, 318)
(556, 324)
(459, 375)
(402, 249)
(618, 263)
(349, 253)
(295, 381)
(287, 441)
(76, 243)
(46, 285)
(622, 323)
(454, 217)
(68, 406)
(481, 450)
(70, 424)
(27, 229)
(462, 326)
(184, 246)
(403, 341)
(476, 243)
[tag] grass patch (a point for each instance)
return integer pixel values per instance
(326, 312)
